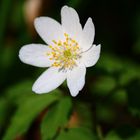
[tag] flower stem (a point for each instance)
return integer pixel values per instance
(99, 132)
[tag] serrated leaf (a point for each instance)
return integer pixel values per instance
(56, 118)
(77, 134)
(27, 112)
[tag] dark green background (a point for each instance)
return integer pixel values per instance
(108, 108)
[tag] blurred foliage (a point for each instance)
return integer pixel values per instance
(56, 118)
(108, 108)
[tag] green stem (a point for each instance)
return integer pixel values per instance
(99, 132)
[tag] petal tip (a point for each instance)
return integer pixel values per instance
(65, 7)
(74, 94)
(36, 90)
(90, 19)
(99, 47)
(36, 20)
(21, 54)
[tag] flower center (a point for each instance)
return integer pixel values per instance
(67, 53)
(64, 53)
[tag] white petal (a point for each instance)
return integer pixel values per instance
(76, 79)
(91, 56)
(88, 35)
(35, 54)
(49, 80)
(49, 29)
(70, 22)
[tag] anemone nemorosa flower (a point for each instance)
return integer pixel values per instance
(68, 52)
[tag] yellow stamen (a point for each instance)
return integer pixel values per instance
(64, 53)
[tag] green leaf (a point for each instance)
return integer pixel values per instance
(110, 63)
(77, 134)
(3, 111)
(104, 85)
(56, 118)
(119, 96)
(17, 93)
(112, 136)
(27, 112)
(130, 73)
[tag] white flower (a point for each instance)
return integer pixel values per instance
(69, 51)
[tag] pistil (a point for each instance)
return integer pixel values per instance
(65, 53)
